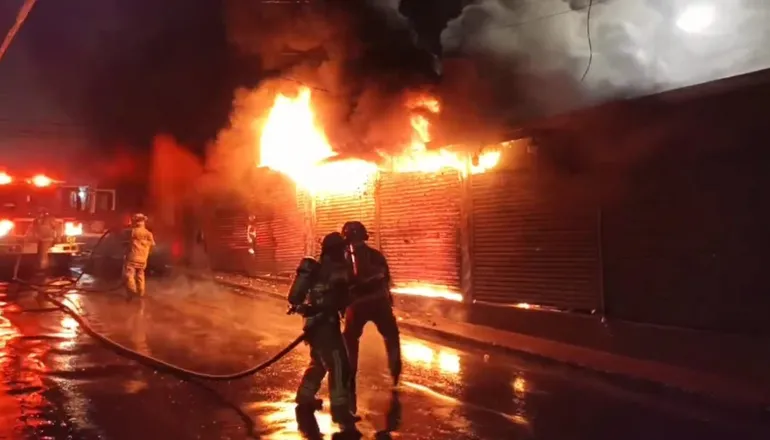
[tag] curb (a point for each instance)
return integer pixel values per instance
(646, 375)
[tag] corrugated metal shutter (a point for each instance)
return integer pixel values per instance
(226, 240)
(332, 212)
(529, 246)
(419, 221)
(288, 226)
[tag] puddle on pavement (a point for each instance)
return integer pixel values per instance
(58, 383)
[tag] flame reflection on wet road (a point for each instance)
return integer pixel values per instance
(280, 415)
(58, 383)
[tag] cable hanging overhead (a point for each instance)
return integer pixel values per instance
(21, 17)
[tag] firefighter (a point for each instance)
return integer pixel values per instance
(372, 300)
(139, 242)
(45, 233)
(320, 294)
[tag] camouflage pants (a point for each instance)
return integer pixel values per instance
(328, 355)
(133, 276)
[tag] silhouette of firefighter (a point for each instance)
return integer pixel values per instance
(372, 300)
(320, 293)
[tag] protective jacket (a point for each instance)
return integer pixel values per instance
(139, 242)
(371, 274)
(372, 302)
(320, 291)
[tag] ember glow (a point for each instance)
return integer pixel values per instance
(428, 291)
(292, 143)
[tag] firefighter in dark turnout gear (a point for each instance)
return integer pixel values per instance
(372, 300)
(320, 292)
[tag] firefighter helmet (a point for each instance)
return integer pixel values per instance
(332, 242)
(138, 218)
(355, 231)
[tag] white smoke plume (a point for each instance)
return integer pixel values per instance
(638, 46)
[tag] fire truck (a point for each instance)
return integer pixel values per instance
(81, 213)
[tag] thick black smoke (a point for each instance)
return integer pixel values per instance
(359, 58)
(167, 73)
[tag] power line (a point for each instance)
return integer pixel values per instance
(21, 17)
(590, 41)
(540, 18)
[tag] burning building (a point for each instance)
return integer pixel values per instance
(456, 223)
(463, 222)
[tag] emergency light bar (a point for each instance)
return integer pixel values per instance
(72, 229)
(41, 181)
(5, 227)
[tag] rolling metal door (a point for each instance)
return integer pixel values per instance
(288, 227)
(531, 246)
(419, 221)
(226, 241)
(332, 212)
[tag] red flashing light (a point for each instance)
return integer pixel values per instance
(5, 227)
(5, 179)
(41, 181)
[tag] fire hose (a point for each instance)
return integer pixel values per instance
(150, 361)
(71, 283)
(163, 366)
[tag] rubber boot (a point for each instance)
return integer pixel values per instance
(347, 435)
(307, 424)
(344, 417)
(393, 417)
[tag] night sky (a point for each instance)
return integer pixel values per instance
(107, 74)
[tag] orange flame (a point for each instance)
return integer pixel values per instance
(417, 157)
(292, 143)
(428, 291)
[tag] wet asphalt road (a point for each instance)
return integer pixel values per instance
(59, 383)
